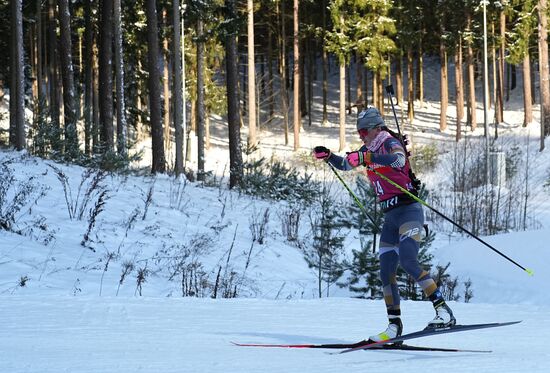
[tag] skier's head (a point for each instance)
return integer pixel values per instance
(369, 118)
(367, 121)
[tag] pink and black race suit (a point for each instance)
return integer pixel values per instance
(388, 159)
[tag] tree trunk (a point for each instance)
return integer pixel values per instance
(39, 59)
(375, 99)
(67, 73)
(233, 111)
(52, 73)
(166, 83)
(348, 89)
(459, 90)
(380, 85)
(17, 93)
(252, 140)
(88, 76)
(283, 72)
(366, 86)
(359, 82)
(157, 147)
(297, 119)
(310, 73)
(177, 89)
(495, 97)
(200, 101)
(543, 70)
(270, 76)
(342, 109)
(303, 95)
(96, 128)
(444, 93)
(13, 73)
(121, 128)
(527, 99)
(410, 85)
(79, 84)
(399, 79)
(501, 65)
(33, 51)
(139, 100)
(472, 121)
(105, 76)
(420, 76)
(325, 65)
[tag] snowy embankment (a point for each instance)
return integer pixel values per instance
(497, 280)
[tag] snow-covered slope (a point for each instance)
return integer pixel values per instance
(497, 280)
(181, 224)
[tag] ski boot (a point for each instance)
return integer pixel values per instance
(443, 316)
(394, 330)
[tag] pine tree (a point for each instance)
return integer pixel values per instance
(361, 26)
(326, 251)
(519, 46)
(340, 42)
(364, 278)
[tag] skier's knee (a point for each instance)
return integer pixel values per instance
(410, 264)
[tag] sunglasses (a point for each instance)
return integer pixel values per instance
(363, 132)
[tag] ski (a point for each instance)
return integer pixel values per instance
(402, 347)
(426, 333)
(322, 345)
(405, 347)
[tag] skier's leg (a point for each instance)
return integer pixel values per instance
(389, 259)
(388, 270)
(409, 243)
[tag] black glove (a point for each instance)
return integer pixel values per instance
(320, 152)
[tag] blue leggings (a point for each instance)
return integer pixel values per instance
(399, 245)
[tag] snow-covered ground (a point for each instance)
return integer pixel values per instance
(105, 334)
(66, 307)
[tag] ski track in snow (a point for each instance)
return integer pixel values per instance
(90, 334)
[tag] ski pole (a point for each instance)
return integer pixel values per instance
(355, 198)
(530, 272)
(390, 92)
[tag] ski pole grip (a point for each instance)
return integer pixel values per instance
(389, 89)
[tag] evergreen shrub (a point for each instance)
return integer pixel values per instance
(273, 179)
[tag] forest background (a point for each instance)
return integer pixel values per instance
(88, 81)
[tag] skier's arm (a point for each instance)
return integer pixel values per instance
(394, 158)
(322, 153)
(339, 162)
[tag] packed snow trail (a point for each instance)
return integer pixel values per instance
(102, 334)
